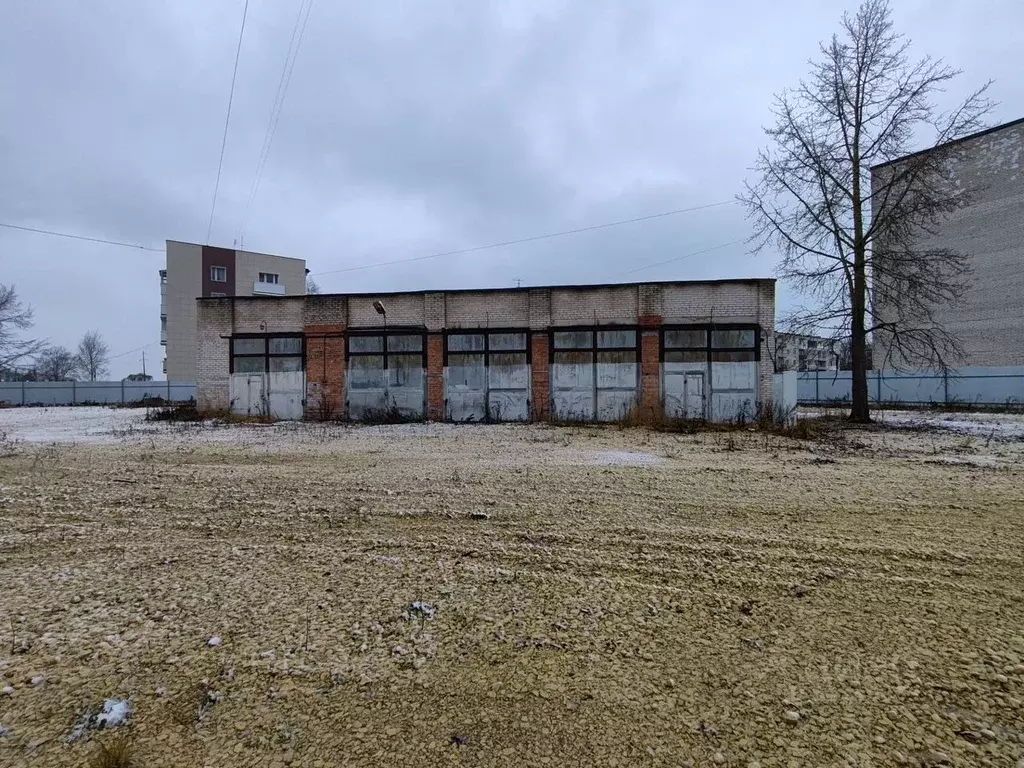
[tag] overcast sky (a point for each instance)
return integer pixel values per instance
(409, 128)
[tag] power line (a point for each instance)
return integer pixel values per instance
(80, 237)
(227, 121)
(130, 351)
(687, 255)
(534, 238)
(275, 110)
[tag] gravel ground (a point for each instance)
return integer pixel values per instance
(496, 595)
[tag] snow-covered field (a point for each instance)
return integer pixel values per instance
(421, 595)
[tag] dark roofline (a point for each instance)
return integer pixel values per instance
(950, 143)
(521, 289)
(237, 250)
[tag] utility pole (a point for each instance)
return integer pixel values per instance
(143, 362)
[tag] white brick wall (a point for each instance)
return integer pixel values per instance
(402, 309)
(276, 314)
(593, 306)
(212, 353)
(505, 309)
(989, 319)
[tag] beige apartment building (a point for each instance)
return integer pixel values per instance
(195, 271)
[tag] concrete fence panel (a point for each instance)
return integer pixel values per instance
(101, 392)
(989, 386)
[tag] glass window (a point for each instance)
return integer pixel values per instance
(574, 339)
(219, 274)
(365, 344)
(366, 372)
(737, 356)
(250, 364)
(508, 359)
(573, 358)
(625, 357)
(732, 338)
(466, 370)
(278, 364)
(616, 339)
(288, 345)
(466, 342)
(269, 277)
(503, 341)
(686, 356)
(249, 346)
(405, 370)
(412, 343)
(688, 338)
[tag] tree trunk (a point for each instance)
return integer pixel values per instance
(860, 411)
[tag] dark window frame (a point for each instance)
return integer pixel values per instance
(266, 354)
(594, 348)
(385, 353)
(708, 347)
(487, 351)
(213, 273)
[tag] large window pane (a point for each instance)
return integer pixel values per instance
(466, 342)
(686, 356)
(573, 358)
(616, 339)
(737, 356)
(685, 338)
(504, 341)
(574, 339)
(366, 372)
(466, 371)
(405, 370)
(280, 364)
(732, 338)
(286, 345)
(365, 344)
(411, 343)
(250, 364)
(249, 346)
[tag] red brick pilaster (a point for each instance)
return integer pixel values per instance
(540, 396)
(650, 363)
(435, 377)
(325, 371)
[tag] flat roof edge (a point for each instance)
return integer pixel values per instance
(951, 142)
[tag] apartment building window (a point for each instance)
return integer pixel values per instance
(215, 295)
(270, 277)
(219, 274)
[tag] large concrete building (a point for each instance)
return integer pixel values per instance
(194, 270)
(988, 321)
(696, 349)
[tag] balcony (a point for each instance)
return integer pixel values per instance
(267, 289)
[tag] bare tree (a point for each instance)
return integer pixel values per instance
(15, 317)
(312, 287)
(850, 242)
(55, 364)
(93, 356)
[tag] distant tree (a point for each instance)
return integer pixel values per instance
(138, 377)
(845, 242)
(14, 318)
(311, 286)
(93, 357)
(55, 364)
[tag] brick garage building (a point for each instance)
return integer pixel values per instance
(589, 353)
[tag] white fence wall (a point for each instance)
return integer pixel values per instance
(966, 386)
(87, 392)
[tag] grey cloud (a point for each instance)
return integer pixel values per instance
(408, 129)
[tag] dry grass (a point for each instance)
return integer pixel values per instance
(601, 595)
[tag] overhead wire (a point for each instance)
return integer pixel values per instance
(531, 239)
(686, 256)
(227, 120)
(275, 111)
(80, 237)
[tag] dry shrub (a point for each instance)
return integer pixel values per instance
(115, 752)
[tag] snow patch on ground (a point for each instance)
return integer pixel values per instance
(626, 459)
(1005, 426)
(73, 425)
